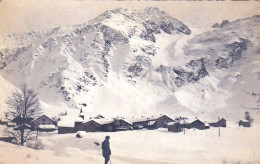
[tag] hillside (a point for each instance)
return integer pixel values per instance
(127, 62)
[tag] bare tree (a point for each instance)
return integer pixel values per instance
(23, 106)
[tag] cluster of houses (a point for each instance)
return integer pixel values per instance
(72, 124)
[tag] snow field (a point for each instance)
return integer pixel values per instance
(236, 144)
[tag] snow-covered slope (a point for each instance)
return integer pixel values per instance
(136, 62)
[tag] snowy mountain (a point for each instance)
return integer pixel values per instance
(127, 62)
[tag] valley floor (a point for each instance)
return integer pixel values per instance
(236, 145)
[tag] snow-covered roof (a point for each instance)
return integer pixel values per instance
(196, 120)
(171, 123)
(244, 120)
(129, 122)
(46, 127)
(40, 117)
(72, 118)
(66, 123)
(212, 121)
(11, 123)
(86, 120)
(103, 121)
(154, 117)
(140, 119)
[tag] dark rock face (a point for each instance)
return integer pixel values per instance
(216, 25)
(152, 27)
(235, 49)
(167, 24)
(2, 61)
(149, 50)
(148, 35)
(141, 64)
(198, 71)
(224, 23)
(135, 69)
(234, 53)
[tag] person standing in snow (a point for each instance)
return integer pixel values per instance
(106, 149)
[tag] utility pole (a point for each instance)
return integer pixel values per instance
(218, 128)
(184, 126)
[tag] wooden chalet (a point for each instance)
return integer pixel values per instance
(175, 127)
(91, 126)
(122, 124)
(159, 122)
(219, 123)
(139, 123)
(107, 125)
(69, 124)
(197, 124)
(65, 127)
(42, 120)
(244, 123)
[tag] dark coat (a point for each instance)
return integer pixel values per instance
(106, 148)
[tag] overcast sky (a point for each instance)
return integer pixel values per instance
(17, 16)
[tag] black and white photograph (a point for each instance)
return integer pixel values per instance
(129, 82)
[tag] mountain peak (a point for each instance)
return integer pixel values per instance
(153, 10)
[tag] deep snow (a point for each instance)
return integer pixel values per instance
(236, 145)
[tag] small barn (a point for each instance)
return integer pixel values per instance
(219, 123)
(122, 124)
(175, 127)
(91, 126)
(197, 124)
(244, 123)
(42, 120)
